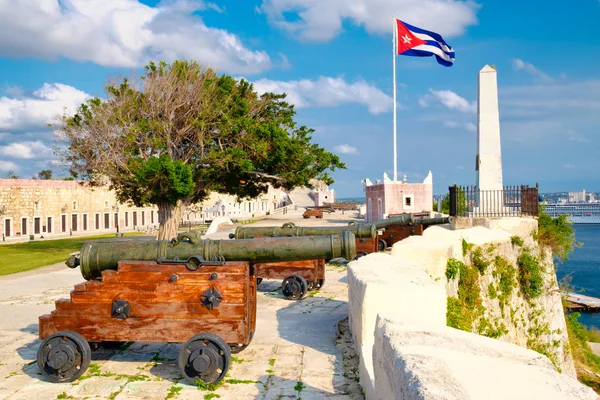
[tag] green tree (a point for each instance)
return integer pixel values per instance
(181, 131)
(45, 174)
(556, 233)
(11, 175)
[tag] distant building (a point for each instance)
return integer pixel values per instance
(390, 197)
(577, 197)
(59, 207)
(323, 196)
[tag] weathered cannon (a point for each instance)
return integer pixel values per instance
(302, 276)
(406, 219)
(201, 292)
(96, 256)
(399, 228)
(362, 231)
(434, 221)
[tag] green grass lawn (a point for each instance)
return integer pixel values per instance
(24, 256)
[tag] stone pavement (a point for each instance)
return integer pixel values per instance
(293, 355)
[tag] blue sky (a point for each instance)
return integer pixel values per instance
(334, 60)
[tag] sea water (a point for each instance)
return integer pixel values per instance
(583, 267)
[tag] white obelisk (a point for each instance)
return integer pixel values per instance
(488, 164)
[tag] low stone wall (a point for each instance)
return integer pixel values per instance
(397, 306)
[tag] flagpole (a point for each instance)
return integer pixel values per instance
(394, 50)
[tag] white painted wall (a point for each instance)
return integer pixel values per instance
(397, 306)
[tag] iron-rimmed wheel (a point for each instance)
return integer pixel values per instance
(381, 245)
(359, 254)
(205, 357)
(64, 356)
(294, 287)
(236, 348)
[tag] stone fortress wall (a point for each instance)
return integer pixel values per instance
(398, 318)
(59, 207)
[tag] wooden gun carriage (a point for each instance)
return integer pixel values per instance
(160, 291)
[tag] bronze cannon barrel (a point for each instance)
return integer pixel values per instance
(433, 221)
(361, 231)
(406, 219)
(97, 256)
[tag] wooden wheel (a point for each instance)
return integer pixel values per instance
(381, 245)
(294, 287)
(64, 356)
(205, 357)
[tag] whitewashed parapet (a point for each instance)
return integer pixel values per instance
(398, 321)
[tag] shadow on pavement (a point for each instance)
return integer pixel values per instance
(274, 387)
(312, 322)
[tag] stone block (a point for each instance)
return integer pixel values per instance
(445, 363)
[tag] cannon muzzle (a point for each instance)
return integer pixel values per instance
(434, 221)
(361, 231)
(406, 219)
(97, 256)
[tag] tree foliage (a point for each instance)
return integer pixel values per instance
(181, 131)
(11, 175)
(45, 174)
(557, 234)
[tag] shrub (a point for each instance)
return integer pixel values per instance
(530, 275)
(557, 234)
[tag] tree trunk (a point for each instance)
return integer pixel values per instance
(168, 218)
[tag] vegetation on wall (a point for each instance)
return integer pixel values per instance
(587, 364)
(468, 312)
(531, 277)
(557, 234)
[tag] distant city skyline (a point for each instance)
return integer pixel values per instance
(335, 64)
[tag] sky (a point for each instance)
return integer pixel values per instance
(333, 59)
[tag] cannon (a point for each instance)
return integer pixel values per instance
(198, 292)
(399, 228)
(96, 256)
(361, 231)
(302, 276)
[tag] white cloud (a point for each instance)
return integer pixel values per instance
(453, 101)
(41, 107)
(8, 166)
(469, 126)
(284, 62)
(122, 33)
(328, 92)
(318, 20)
(26, 150)
(449, 99)
(538, 75)
(451, 124)
(345, 149)
(576, 137)
(568, 166)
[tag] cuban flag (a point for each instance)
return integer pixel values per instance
(413, 41)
